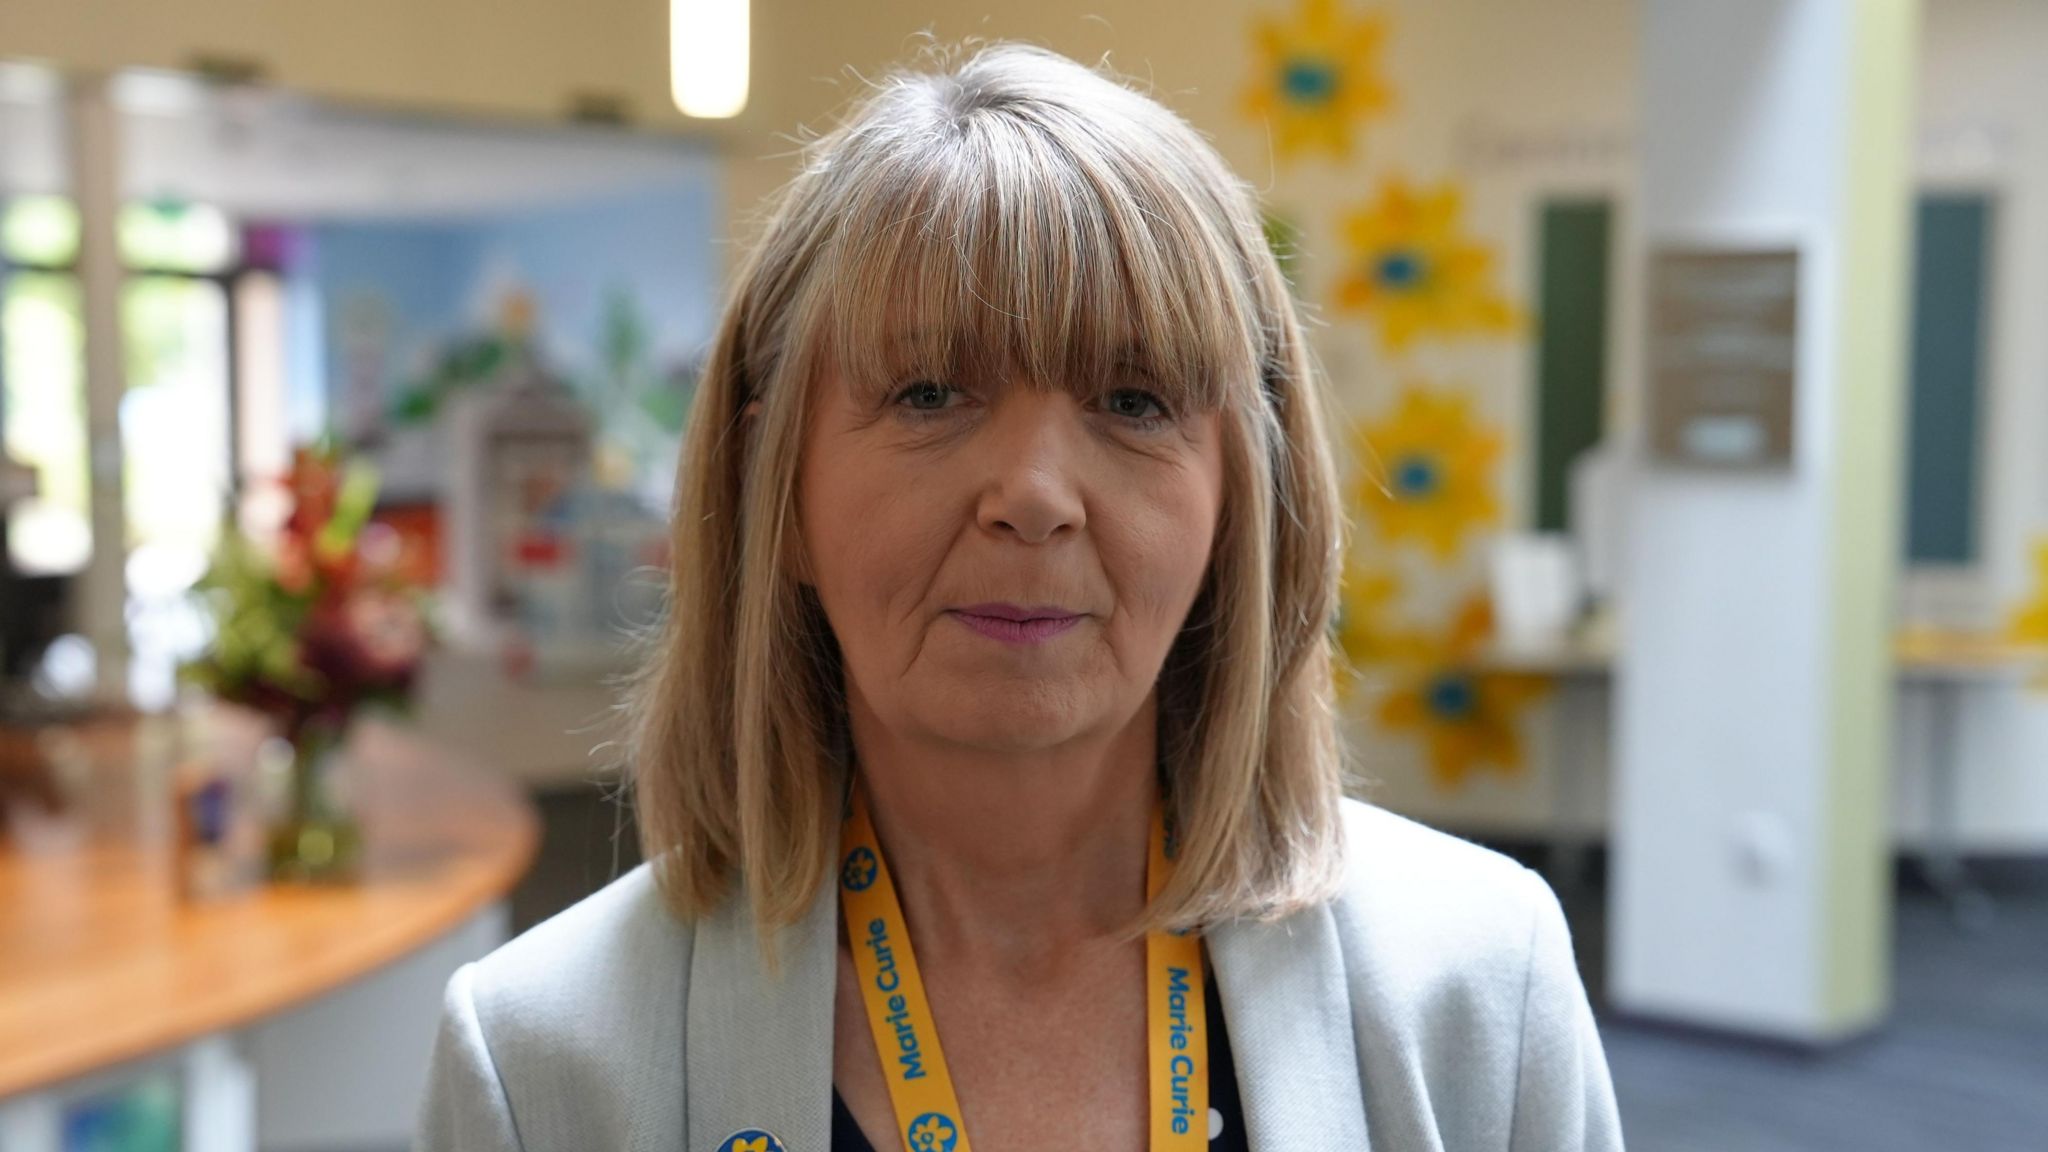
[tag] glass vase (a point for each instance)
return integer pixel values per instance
(318, 840)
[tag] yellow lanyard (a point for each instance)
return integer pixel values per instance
(927, 1111)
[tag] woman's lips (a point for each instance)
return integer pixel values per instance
(1014, 625)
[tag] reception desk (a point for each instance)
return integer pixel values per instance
(102, 967)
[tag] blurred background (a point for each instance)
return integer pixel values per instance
(1691, 395)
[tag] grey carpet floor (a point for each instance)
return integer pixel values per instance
(1960, 1066)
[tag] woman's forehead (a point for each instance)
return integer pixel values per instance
(1030, 265)
(995, 356)
(1001, 345)
(1066, 339)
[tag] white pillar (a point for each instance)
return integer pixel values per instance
(1752, 878)
(96, 180)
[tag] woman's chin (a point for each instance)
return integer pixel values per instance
(1021, 720)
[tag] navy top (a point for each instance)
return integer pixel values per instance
(1226, 1115)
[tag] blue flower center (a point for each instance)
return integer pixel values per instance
(1401, 270)
(1309, 81)
(1452, 697)
(1416, 477)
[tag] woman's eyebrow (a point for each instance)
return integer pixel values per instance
(916, 336)
(1134, 360)
(923, 348)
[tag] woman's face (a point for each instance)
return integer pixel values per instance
(1005, 567)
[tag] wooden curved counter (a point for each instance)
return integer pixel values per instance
(101, 963)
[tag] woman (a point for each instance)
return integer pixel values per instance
(986, 760)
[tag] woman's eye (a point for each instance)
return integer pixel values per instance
(1134, 404)
(925, 396)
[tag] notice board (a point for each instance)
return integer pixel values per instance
(1723, 354)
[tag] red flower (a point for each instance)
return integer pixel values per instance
(330, 621)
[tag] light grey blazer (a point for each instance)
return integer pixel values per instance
(1433, 1006)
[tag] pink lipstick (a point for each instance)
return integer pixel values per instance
(1016, 624)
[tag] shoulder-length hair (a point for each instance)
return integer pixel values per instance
(1010, 204)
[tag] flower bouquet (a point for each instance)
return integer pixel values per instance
(310, 631)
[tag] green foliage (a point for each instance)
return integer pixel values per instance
(255, 652)
(463, 365)
(322, 624)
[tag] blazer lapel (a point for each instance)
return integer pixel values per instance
(759, 1048)
(1288, 1009)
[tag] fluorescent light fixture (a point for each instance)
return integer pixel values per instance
(149, 92)
(29, 84)
(707, 57)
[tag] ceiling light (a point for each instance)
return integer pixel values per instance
(707, 57)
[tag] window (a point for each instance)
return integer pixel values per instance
(1944, 434)
(176, 414)
(42, 356)
(1571, 348)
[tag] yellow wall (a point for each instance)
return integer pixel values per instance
(522, 57)
(1510, 102)
(1502, 100)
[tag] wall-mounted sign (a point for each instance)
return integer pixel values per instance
(1723, 354)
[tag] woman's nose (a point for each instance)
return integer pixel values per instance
(1032, 452)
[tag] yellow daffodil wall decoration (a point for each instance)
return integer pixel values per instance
(1318, 77)
(1364, 633)
(1414, 273)
(1468, 719)
(1427, 472)
(2029, 624)
(2030, 621)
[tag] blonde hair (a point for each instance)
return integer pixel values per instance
(1009, 208)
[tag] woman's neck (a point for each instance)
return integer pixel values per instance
(1012, 860)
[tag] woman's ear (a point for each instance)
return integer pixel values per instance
(748, 413)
